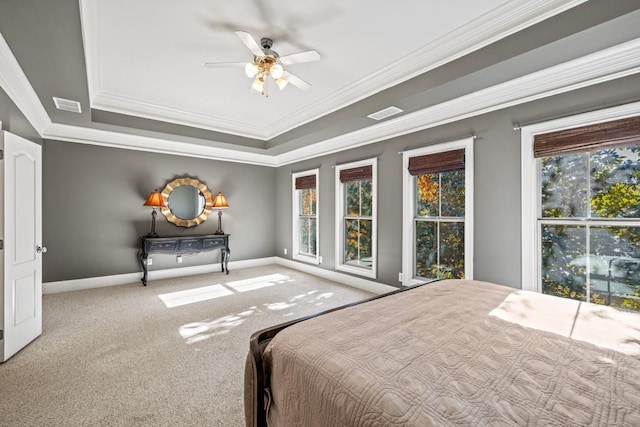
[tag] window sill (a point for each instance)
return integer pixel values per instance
(359, 271)
(414, 281)
(307, 258)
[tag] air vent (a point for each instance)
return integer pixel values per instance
(383, 114)
(67, 105)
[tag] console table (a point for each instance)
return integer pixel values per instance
(184, 245)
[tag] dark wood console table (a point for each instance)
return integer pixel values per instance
(184, 245)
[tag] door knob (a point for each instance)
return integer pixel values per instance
(41, 249)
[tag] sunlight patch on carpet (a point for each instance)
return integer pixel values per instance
(279, 306)
(200, 331)
(190, 296)
(209, 328)
(258, 282)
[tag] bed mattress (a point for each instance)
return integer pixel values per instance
(457, 352)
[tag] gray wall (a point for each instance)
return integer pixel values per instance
(93, 214)
(497, 183)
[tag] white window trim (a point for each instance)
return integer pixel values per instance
(373, 273)
(530, 181)
(295, 204)
(408, 198)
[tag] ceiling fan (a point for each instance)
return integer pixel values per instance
(267, 62)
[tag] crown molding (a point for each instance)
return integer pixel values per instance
(89, 18)
(609, 64)
(481, 32)
(584, 119)
(84, 135)
(133, 107)
(501, 22)
(17, 86)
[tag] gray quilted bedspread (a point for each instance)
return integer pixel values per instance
(459, 353)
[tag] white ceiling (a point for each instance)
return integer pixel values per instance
(145, 58)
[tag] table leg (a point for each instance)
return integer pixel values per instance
(226, 254)
(143, 263)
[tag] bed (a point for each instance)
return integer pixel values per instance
(452, 352)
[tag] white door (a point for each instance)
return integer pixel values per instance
(22, 240)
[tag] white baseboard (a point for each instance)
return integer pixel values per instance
(345, 279)
(128, 278)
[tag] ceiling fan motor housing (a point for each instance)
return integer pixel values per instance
(266, 44)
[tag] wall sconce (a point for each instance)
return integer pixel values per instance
(154, 200)
(219, 202)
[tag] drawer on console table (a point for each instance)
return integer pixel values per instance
(214, 242)
(164, 246)
(191, 245)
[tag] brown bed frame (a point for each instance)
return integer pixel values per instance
(260, 339)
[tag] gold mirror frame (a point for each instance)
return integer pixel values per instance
(208, 202)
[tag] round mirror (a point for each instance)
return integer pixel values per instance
(188, 202)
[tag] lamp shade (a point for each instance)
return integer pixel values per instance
(155, 200)
(282, 83)
(219, 201)
(251, 69)
(258, 84)
(276, 71)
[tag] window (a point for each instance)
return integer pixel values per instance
(438, 218)
(356, 189)
(305, 216)
(587, 212)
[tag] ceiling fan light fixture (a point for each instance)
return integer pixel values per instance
(267, 62)
(277, 71)
(258, 84)
(282, 83)
(251, 69)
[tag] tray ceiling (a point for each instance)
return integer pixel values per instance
(137, 68)
(145, 58)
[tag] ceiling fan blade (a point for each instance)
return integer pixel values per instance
(296, 81)
(296, 58)
(224, 64)
(250, 42)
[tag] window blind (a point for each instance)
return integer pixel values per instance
(438, 162)
(305, 182)
(355, 174)
(588, 138)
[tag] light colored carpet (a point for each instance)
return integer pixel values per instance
(119, 356)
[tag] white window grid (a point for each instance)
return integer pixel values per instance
(340, 218)
(297, 254)
(531, 184)
(409, 209)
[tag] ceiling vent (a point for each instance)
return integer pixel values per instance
(67, 105)
(383, 114)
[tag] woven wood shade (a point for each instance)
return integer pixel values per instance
(306, 182)
(439, 162)
(355, 174)
(588, 138)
